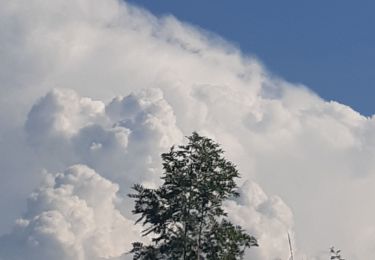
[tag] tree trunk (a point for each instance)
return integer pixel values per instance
(185, 233)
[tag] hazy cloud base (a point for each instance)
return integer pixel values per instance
(93, 92)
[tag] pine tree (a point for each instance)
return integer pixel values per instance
(184, 216)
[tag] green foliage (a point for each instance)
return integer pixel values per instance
(184, 216)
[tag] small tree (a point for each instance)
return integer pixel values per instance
(184, 216)
(335, 254)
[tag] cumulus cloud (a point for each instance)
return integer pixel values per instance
(123, 139)
(111, 86)
(73, 215)
(268, 218)
(76, 215)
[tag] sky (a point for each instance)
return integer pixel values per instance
(326, 45)
(93, 91)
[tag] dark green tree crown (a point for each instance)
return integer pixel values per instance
(184, 216)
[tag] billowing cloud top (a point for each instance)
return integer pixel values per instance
(73, 215)
(107, 87)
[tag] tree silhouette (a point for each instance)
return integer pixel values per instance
(335, 254)
(184, 216)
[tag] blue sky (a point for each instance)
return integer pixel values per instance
(326, 45)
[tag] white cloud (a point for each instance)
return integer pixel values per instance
(76, 215)
(122, 140)
(268, 218)
(73, 215)
(318, 156)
